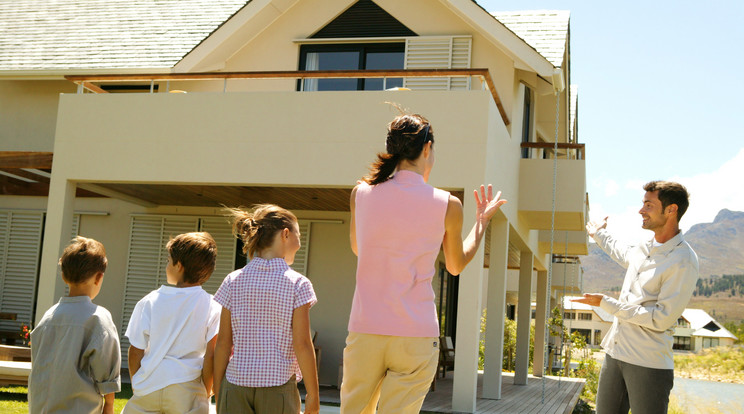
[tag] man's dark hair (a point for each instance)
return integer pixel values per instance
(670, 193)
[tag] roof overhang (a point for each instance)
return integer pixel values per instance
(60, 74)
(246, 24)
(524, 56)
(257, 15)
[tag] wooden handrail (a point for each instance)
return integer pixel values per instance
(85, 80)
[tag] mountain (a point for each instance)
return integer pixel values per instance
(719, 246)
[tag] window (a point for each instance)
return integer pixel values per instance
(586, 333)
(682, 323)
(527, 120)
(597, 337)
(710, 342)
(511, 311)
(351, 57)
(569, 315)
(585, 316)
(682, 343)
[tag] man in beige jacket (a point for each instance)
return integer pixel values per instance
(638, 372)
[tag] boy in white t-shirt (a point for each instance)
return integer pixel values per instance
(172, 333)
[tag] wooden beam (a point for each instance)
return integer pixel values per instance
(115, 194)
(25, 174)
(496, 99)
(25, 159)
(94, 88)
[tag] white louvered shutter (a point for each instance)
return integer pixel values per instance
(221, 231)
(435, 52)
(19, 262)
(300, 261)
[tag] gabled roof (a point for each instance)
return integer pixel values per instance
(105, 34)
(545, 30)
(703, 324)
(116, 35)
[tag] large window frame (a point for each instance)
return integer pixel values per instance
(363, 49)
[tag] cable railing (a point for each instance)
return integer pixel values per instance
(566, 150)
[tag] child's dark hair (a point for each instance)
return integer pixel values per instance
(258, 227)
(406, 137)
(197, 253)
(82, 259)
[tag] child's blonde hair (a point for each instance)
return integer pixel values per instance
(258, 227)
(82, 259)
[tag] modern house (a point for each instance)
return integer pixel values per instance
(590, 321)
(286, 103)
(696, 330)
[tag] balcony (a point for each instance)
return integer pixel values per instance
(536, 182)
(567, 275)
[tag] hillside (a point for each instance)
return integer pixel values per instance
(719, 245)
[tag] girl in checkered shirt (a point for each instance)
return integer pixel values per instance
(264, 346)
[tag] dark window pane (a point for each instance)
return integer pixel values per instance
(337, 60)
(383, 60)
(346, 60)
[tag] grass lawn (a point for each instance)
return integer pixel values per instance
(14, 399)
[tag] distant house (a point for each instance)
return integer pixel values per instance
(591, 322)
(697, 330)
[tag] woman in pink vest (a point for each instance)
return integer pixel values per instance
(398, 224)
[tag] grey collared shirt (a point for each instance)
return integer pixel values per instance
(75, 357)
(658, 286)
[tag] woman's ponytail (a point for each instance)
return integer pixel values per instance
(406, 137)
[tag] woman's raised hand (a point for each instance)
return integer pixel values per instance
(487, 204)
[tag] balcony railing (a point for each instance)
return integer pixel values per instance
(89, 81)
(546, 150)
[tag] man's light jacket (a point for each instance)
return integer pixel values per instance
(658, 285)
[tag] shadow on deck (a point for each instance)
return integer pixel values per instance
(561, 396)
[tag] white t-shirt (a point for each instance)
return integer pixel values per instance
(173, 325)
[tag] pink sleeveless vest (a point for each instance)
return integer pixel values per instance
(399, 232)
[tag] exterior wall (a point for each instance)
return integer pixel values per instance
(274, 47)
(267, 138)
(29, 113)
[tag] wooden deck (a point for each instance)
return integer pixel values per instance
(560, 396)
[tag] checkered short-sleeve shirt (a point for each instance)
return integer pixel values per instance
(261, 298)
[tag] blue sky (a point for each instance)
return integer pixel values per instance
(661, 87)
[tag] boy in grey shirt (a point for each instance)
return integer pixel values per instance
(75, 350)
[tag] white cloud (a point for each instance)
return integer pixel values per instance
(611, 188)
(714, 191)
(624, 225)
(709, 193)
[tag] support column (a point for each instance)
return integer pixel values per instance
(522, 360)
(465, 382)
(538, 359)
(57, 229)
(496, 303)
